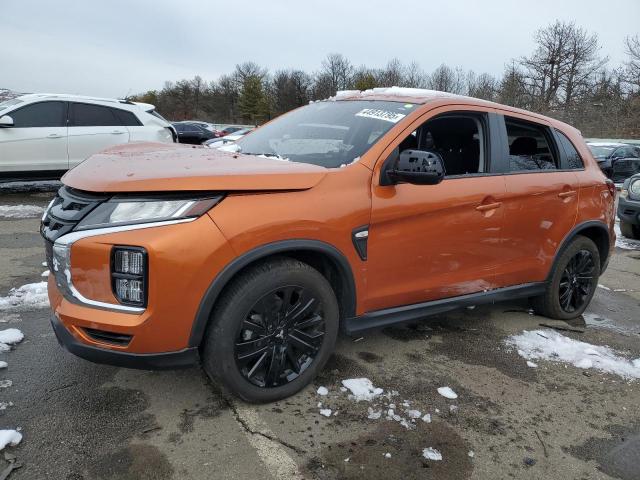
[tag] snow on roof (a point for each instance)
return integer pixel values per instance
(30, 96)
(400, 92)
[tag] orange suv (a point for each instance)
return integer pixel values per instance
(361, 211)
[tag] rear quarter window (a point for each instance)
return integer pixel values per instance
(574, 160)
(127, 119)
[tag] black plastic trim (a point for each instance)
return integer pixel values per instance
(283, 247)
(576, 231)
(145, 361)
(31, 175)
(407, 313)
(360, 244)
(117, 275)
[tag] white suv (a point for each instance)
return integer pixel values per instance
(47, 134)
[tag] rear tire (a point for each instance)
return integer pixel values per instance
(573, 281)
(272, 330)
(629, 230)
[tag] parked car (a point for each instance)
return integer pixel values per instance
(46, 134)
(228, 131)
(398, 204)
(212, 127)
(229, 139)
(192, 133)
(607, 154)
(624, 168)
(629, 207)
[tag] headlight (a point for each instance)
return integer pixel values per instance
(634, 188)
(125, 211)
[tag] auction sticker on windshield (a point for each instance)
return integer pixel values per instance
(385, 115)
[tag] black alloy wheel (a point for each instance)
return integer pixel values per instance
(577, 281)
(280, 336)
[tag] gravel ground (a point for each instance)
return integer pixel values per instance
(87, 421)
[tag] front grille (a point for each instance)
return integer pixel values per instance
(68, 208)
(119, 339)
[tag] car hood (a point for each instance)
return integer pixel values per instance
(154, 167)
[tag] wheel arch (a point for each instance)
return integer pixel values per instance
(594, 230)
(322, 256)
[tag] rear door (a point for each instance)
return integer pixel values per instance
(93, 128)
(541, 203)
(38, 139)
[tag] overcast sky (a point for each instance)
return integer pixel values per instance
(118, 47)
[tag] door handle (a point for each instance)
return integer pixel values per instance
(570, 193)
(117, 132)
(54, 135)
(488, 206)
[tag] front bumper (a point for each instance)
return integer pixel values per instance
(145, 361)
(629, 210)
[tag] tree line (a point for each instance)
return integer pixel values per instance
(565, 77)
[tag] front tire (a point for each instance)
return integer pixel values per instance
(273, 329)
(573, 281)
(629, 230)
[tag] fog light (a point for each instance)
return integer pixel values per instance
(128, 261)
(129, 290)
(129, 275)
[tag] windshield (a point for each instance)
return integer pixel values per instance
(329, 134)
(601, 151)
(9, 103)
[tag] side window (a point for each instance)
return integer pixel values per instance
(125, 118)
(179, 127)
(43, 114)
(87, 115)
(460, 139)
(529, 146)
(574, 161)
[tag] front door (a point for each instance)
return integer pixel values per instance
(429, 242)
(37, 141)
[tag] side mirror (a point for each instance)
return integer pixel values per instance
(418, 167)
(6, 121)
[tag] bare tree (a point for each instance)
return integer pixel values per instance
(447, 79)
(337, 71)
(633, 64)
(561, 67)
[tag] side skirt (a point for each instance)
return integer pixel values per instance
(407, 313)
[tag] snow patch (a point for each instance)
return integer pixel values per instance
(624, 242)
(29, 295)
(9, 437)
(447, 392)
(432, 454)
(3, 364)
(362, 389)
(553, 346)
(20, 211)
(11, 336)
(322, 391)
(325, 412)
(531, 364)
